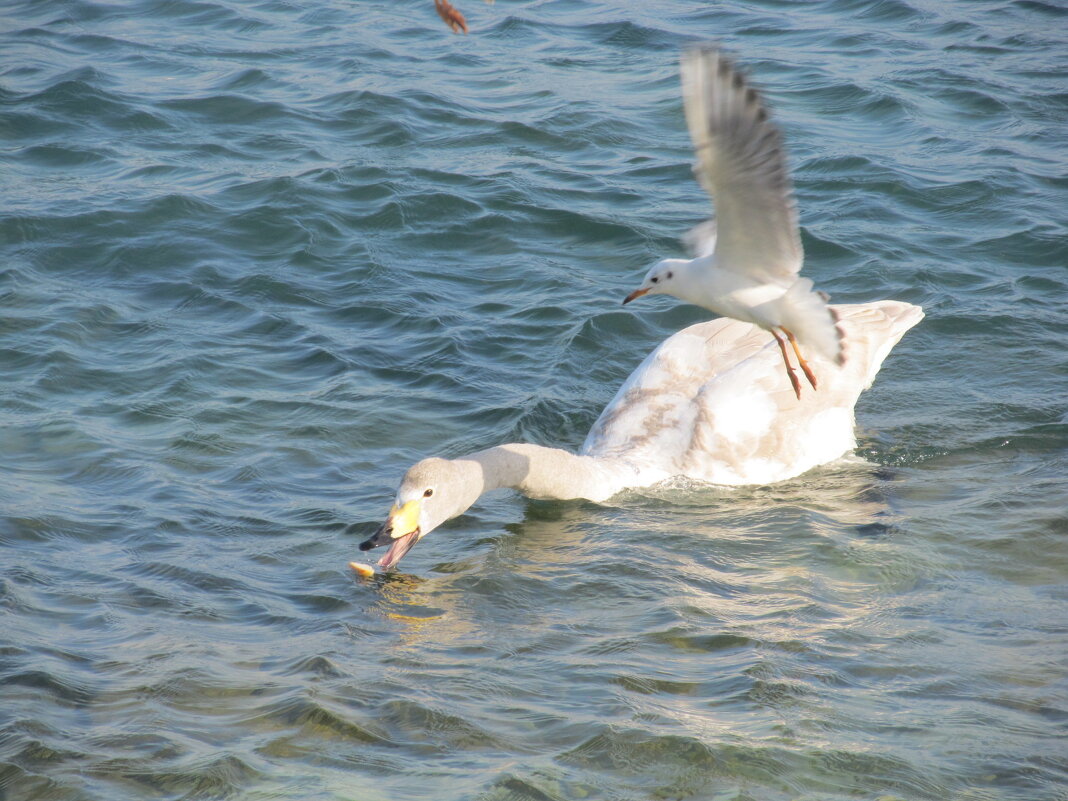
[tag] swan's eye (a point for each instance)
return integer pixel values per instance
(428, 493)
(669, 275)
(654, 279)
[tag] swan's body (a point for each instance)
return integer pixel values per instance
(708, 404)
(748, 260)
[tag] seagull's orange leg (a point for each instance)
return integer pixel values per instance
(786, 360)
(800, 359)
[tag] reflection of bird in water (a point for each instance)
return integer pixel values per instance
(708, 404)
(748, 259)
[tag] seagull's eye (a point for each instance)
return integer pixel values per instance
(654, 279)
(428, 493)
(669, 275)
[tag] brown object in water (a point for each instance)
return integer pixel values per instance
(453, 18)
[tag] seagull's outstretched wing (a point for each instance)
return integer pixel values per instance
(701, 239)
(740, 163)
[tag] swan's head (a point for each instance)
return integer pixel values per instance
(431, 492)
(662, 279)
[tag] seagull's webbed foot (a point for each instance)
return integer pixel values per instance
(790, 371)
(800, 359)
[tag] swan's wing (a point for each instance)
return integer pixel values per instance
(713, 402)
(740, 163)
(651, 420)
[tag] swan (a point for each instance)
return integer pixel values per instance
(708, 404)
(748, 258)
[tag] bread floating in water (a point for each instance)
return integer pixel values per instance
(365, 570)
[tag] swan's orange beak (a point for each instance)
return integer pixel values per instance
(637, 293)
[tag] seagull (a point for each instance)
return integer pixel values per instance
(708, 404)
(747, 259)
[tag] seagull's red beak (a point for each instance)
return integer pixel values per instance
(637, 293)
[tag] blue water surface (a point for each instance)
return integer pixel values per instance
(256, 258)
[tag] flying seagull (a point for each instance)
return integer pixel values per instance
(748, 258)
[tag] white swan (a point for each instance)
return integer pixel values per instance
(709, 404)
(748, 259)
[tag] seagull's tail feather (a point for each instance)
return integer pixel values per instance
(815, 324)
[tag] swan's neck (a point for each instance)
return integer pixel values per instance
(548, 473)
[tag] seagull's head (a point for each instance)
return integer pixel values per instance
(432, 491)
(662, 279)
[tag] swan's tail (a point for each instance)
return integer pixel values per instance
(815, 324)
(875, 328)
